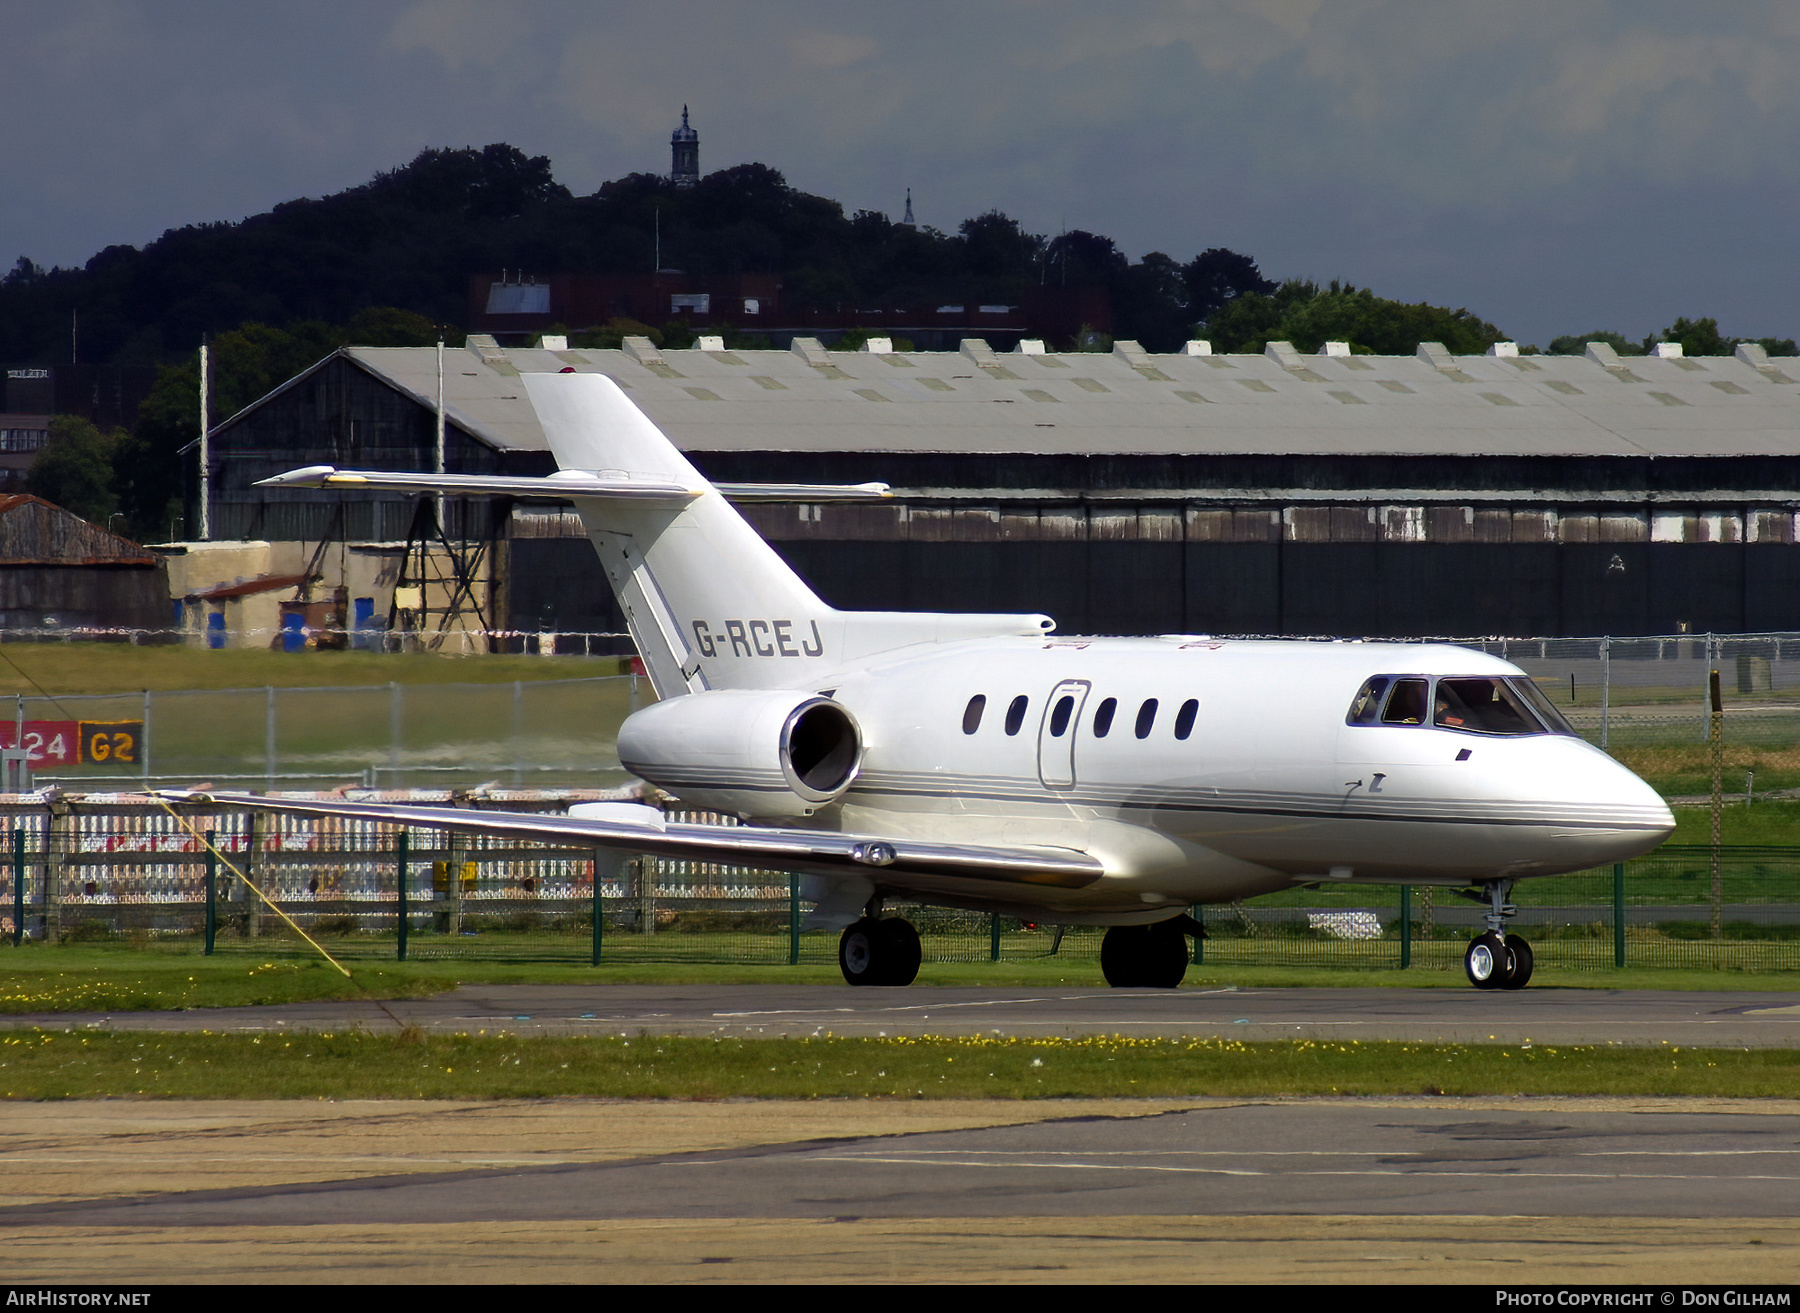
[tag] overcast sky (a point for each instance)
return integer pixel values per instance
(1554, 165)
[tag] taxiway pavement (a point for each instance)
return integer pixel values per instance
(1550, 1016)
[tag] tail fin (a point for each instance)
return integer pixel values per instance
(709, 603)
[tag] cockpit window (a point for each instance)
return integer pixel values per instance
(1546, 710)
(1475, 704)
(1367, 705)
(1406, 704)
(1486, 706)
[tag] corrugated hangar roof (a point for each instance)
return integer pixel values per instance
(1133, 402)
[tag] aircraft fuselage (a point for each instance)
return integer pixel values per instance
(1223, 769)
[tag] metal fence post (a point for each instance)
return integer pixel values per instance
(400, 846)
(1618, 914)
(601, 866)
(1605, 687)
(518, 731)
(394, 717)
(1717, 734)
(212, 885)
(1405, 926)
(993, 936)
(255, 872)
(18, 884)
(793, 909)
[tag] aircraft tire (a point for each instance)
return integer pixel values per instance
(1123, 951)
(900, 948)
(1166, 960)
(1520, 974)
(860, 953)
(1487, 962)
(1144, 956)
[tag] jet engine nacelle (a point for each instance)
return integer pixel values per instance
(755, 752)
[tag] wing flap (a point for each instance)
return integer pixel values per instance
(921, 865)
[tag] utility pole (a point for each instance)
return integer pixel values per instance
(440, 425)
(205, 457)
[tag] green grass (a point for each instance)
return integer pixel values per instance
(84, 979)
(70, 668)
(68, 1065)
(210, 716)
(1775, 823)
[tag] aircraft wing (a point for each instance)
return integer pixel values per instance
(921, 866)
(565, 485)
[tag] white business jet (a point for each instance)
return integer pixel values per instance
(982, 761)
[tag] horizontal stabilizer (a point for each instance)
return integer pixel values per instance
(564, 485)
(905, 864)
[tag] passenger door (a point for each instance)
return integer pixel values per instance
(1056, 733)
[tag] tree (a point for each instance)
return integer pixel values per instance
(1576, 344)
(1307, 315)
(996, 247)
(495, 182)
(1083, 259)
(384, 325)
(1150, 304)
(1701, 337)
(1216, 276)
(75, 468)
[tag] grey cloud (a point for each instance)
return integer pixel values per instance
(1493, 155)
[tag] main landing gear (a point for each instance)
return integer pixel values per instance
(1148, 956)
(879, 951)
(1497, 960)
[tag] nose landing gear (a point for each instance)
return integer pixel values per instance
(1497, 960)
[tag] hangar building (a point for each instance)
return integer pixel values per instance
(1133, 493)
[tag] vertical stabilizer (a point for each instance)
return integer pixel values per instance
(709, 603)
(679, 572)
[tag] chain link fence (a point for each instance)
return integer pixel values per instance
(116, 871)
(123, 874)
(556, 733)
(1646, 701)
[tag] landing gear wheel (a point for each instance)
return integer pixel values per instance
(1144, 956)
(1487, 962)
(900, 945)
(1167, 961)
(860, 955)
(1122, 953)
(879, 952)
(1521, 963)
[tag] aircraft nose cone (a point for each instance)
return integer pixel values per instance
(1611, 815)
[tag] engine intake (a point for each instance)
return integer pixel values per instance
(755, 752)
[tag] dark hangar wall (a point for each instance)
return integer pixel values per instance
(1277, 544)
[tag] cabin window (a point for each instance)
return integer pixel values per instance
(1367, 705)
(1103, 717)
(1015, 714)
(1407, 704)
(972, 713)
(1146, 718)
(1184, 719)
(1059, 716)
